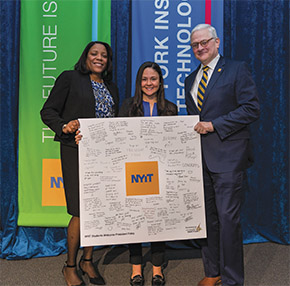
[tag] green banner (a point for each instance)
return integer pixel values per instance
(53, 36)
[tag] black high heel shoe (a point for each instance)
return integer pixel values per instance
(99, 280)
(137, 280)
(158, 280)
(72, 266)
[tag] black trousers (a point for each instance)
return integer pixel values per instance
(157, 253)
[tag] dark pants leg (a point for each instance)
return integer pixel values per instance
(135, 250)
(157, 253)
(210, 249)
(223, 253)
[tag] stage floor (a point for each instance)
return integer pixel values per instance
(266, 264)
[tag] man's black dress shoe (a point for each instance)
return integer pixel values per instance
(98, 280)
(158, 280)
(137, 280)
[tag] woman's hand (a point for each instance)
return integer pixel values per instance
(71, 127)
(78, 137)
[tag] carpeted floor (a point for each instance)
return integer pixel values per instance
(266, 264)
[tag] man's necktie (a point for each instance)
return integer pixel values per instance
(201, 88)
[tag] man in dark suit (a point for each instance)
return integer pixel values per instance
(223, 94)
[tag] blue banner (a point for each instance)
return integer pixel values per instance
(161, 33)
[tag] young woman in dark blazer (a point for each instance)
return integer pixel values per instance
(149, 100)
(85, 92)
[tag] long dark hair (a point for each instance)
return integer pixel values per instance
(137, 107)
(82, 66)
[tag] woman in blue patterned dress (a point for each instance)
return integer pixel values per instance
(85, 92)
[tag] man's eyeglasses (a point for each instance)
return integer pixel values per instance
(203, 43)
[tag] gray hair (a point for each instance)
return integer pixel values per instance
(210, 28)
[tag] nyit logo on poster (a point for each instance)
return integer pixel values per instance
(52, 183)
(142, 178)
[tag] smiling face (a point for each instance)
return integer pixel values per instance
(97, 60)
(150, 83)
(207, 53)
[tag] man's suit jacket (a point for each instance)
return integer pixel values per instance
(71, 98)
(231, 104)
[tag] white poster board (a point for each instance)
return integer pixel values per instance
(140, 180)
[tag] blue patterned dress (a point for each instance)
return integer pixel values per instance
(104, 103)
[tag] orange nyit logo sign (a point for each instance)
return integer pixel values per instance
(142, 178)
(52, 183)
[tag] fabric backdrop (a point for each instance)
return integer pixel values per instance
(258, 33)
(254, 31)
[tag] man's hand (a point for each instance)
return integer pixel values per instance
(203, 127)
